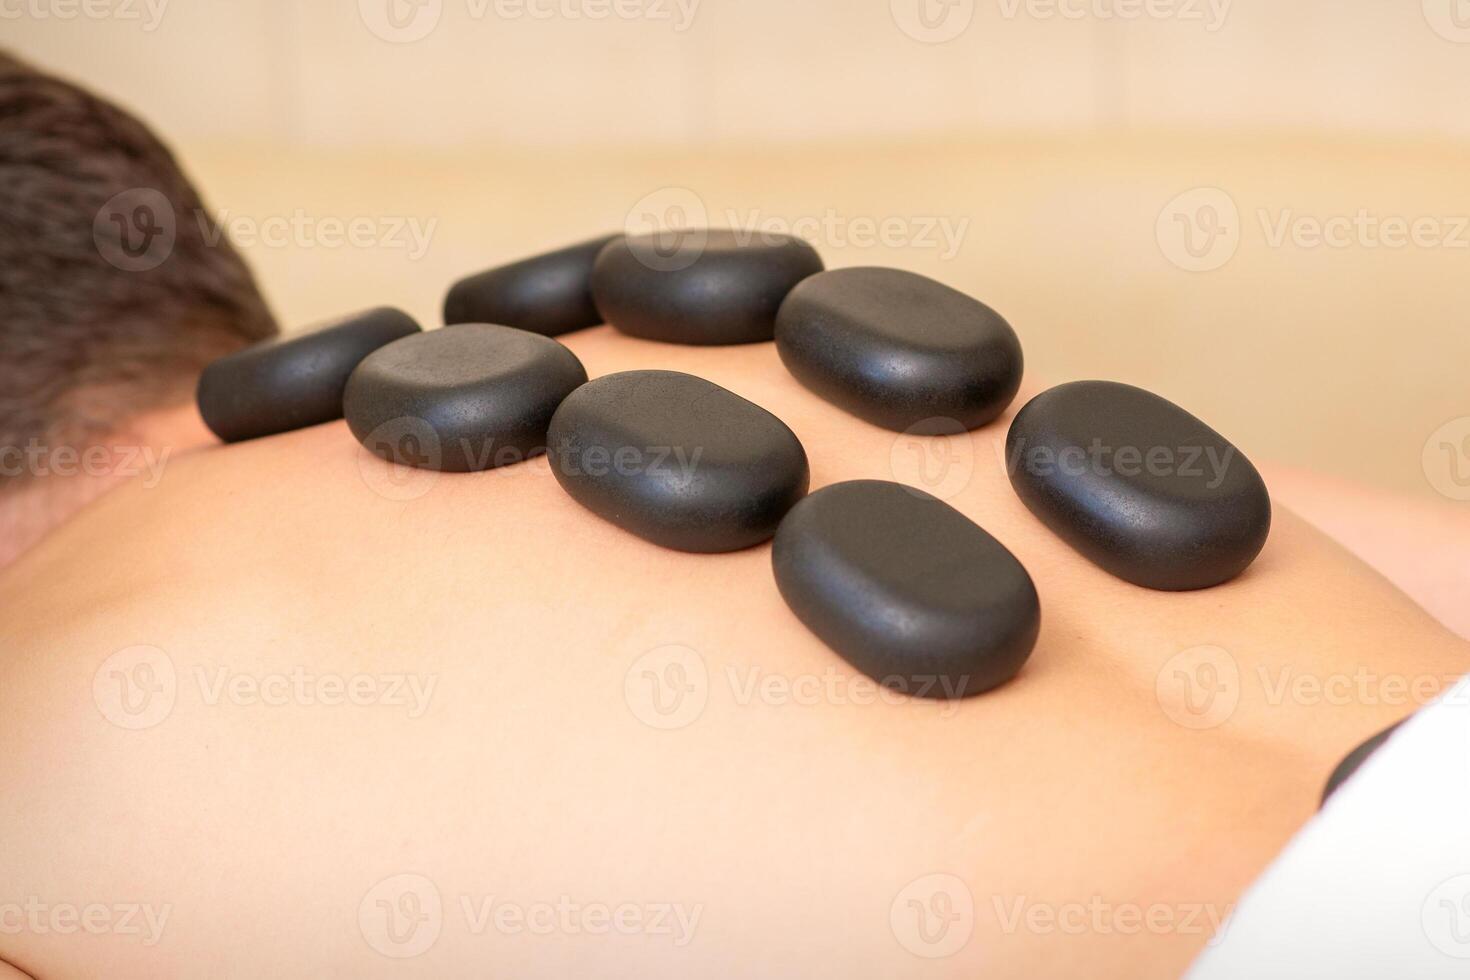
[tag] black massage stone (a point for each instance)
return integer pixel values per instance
(548, 294)
(677, 460)
(1356, 758)
(1138, 485)
(906, 589)
(899, 350)
(703, 287)
(287, 384)
(485, 394)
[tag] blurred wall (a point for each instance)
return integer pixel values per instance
(640, 73)
(1257, 208)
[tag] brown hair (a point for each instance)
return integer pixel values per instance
(115, 287)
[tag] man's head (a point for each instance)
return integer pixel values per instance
(115, 288)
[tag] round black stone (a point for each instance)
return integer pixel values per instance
(548, 294)
(1356, 758)
(899, 350)
(1138, 485)
(461, 398)
(906, 588)
(677, 460)
(287, 384)
(701, 286)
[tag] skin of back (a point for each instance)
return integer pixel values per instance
(1155, 753)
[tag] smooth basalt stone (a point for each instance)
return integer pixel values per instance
(1138, 485)
(899, 350)
(906, 588)
(468, 397)
(701, 286)
(677, 460)
(1355, 760)
(287, 384)
(548, 294)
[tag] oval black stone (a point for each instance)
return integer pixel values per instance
(462, 398)
(1138, 485)
(287, 384)
(701, 286)
(677, 460)
(899, 350)
(1355, 760)
(548, 294)
(906, 589)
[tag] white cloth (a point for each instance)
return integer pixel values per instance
(1378, 884)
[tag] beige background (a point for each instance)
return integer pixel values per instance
(1051, 139)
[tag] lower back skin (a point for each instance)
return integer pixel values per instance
(1103, 811)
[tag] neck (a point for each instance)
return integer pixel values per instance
(53, 482)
